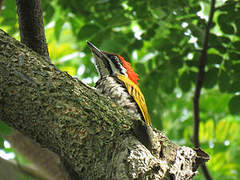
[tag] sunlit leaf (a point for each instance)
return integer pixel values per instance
(222, 130)
(218, 161)
(69, 69)
(206, 131)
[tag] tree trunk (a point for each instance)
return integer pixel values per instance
(93, 136)
(31, 26)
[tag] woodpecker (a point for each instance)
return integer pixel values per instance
(120, 83)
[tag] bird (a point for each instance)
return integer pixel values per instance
(119, 82)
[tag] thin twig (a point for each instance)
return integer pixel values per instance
(31, 26)
(206, 172)
(199, 82)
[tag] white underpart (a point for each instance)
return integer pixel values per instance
(110, 87)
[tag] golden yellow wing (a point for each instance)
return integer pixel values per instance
(137, 95)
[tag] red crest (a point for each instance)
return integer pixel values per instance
(131, 74)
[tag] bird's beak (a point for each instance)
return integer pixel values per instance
(101, 60)
(97, 52)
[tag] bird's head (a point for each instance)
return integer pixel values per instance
(110, 64)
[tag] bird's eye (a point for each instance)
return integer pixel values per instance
(115, 58)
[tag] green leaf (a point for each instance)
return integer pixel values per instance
(119, 20)
(224, 81)
(228, 6)
(224, 39)
(110, 46)
(9, 16)
(75, 24)
(227, 28)
(237, 24)
(235, 86)
(234, 56)
(58, 27)
(222, 18)
(233, 105)
(206, 131)
(235, 74)
(176, 62)
(140, 68)
(210, 78)
(4, 129)
(168, 83)
(221, 48)
(195, 9)
(149, 33)
(141, 9)
(158, 12)
(151, 65)
(196, 31)
(236, 44)
(192, 63)
(214, 59)
(213, 39)
(222, 129)
(137, 44)
(49, 11)
(185, 81)
(87, 31)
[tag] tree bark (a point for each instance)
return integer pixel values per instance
(30, 18)
(93, 136)
(31, 26)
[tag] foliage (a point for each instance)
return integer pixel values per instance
(163, 41)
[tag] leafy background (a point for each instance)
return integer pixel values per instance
(162, 40)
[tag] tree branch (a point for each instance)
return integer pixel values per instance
(10, 170)
(31, 27)
(199, 82)
(93, 136)
(44, 160)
